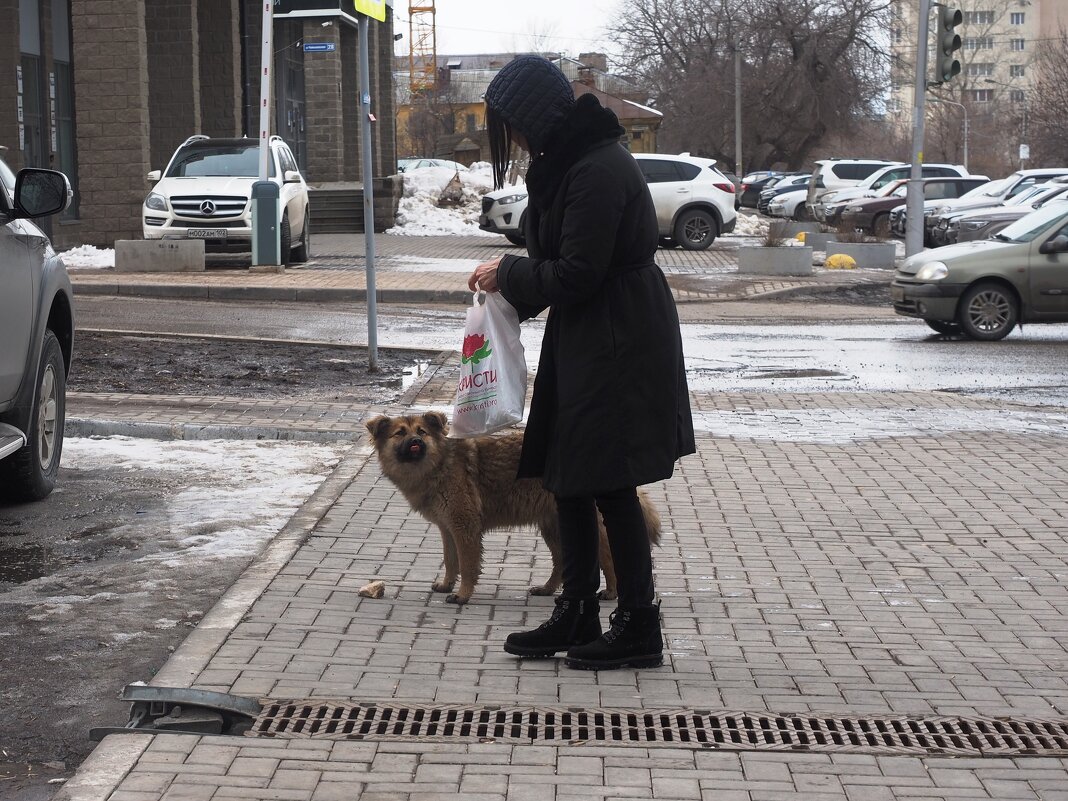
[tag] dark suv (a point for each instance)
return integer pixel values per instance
(37, 332)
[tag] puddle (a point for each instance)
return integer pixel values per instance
(22, 563)
(412, 374)
(812, 373)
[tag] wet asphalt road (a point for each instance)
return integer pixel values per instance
(817, 354)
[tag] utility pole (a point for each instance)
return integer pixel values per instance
(368, 197)
(738, 109)
(914, 198)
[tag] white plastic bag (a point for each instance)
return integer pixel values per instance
(492, 388)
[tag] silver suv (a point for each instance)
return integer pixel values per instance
(206, 193)
(37, 332)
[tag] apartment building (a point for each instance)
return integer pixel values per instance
(1000, 40)
(105, 90)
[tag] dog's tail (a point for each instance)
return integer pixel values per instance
(652, 518)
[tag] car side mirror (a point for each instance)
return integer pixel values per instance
(1059, 244)
(291, 177)
(154, 176)
(40, 193)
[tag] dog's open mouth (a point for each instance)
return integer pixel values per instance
(412, 450)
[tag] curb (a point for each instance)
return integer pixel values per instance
(270, 293)
(89, 427)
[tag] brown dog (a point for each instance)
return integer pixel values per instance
(467, 487)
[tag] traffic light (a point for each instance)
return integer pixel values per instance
(948, 42)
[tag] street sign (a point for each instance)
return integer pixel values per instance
(375, 9)
(1025, 152)
(319, 47)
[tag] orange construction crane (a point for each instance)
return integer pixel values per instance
(423, 49)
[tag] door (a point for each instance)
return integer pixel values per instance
(16, 300)
(668, 189)
(1048, 277)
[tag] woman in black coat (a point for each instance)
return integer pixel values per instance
(610, 409)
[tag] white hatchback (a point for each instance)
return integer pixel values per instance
(206, 193)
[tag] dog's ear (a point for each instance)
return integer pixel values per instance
(436, 420)
(377, 425)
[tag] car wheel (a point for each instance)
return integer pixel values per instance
(801, 213)
(880, 226)
(515, 239)
(988, 312)
(285, 241)
(30, 474)
(695, 229)
(303, 251)
(949, 329)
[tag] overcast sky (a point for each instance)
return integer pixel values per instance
(496, 26)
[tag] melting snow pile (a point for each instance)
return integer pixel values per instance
(418, 213)
(87, 257)
(751, 226)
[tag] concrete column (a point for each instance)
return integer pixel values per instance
(350, 98)
(219, 35)
(112, 108)
(323, 84)
(9, 61)
(173, 74)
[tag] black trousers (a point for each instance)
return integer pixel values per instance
(628, 540)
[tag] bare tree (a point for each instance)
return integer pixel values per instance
(1049, 99)
(810, 67)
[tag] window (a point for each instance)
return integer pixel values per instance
(978, 17)
(1016, 70)
(1016, 96)
(896, 35)
(979, 70)
(979, 43)
(689, 171)
(658, 172)
(1016, 44)
(1016, 18)
(981, 95)
(893, 105)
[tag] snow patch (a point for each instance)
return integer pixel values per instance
(88, 257)
(418, 213)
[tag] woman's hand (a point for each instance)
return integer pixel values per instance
(485, 276)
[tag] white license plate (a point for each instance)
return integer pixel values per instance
(206, 233)
(897, 293)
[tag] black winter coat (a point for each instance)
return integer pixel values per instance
(610, 407)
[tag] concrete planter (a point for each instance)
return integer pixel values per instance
(775, 261)
(867, 255)
(820, 241)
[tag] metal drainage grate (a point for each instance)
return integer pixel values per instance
(680, 728)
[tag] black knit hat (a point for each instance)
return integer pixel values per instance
(533, 95)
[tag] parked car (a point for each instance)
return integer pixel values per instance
(37, 331)
(828, 207)
(984, 289)
(205, 192)
(694, 201)
(993, 194)
(781, 185)
(984, 223)
(790, 205)
(752, 185)
(829, 175)
(504, 212)
(899, 216)
(736, 182)
(872, 214)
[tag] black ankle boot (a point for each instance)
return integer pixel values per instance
(634, 640)
(574, 621)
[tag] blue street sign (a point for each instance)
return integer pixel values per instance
(319, 47)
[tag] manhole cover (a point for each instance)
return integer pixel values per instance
(679, 728)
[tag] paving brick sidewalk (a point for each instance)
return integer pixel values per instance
(834, 554)
(413, 269)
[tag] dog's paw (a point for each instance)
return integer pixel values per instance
(607, 595)
(442, 586)
(541, 590)
(454, 598)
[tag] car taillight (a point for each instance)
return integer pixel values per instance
(745, 187)
(725, 188)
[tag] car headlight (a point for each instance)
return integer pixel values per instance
(854, 208)
(932, 271)
(974, 225)
(504, 201)
(156, 202)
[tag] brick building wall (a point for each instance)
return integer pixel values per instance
(324, 86)
(219, 33)
(173, 75)
(112, 111)
(9, 61)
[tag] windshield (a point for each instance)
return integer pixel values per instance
(890, 188)
(1025, 197)
(1033, 225)
(234, 161)
(995, 188)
